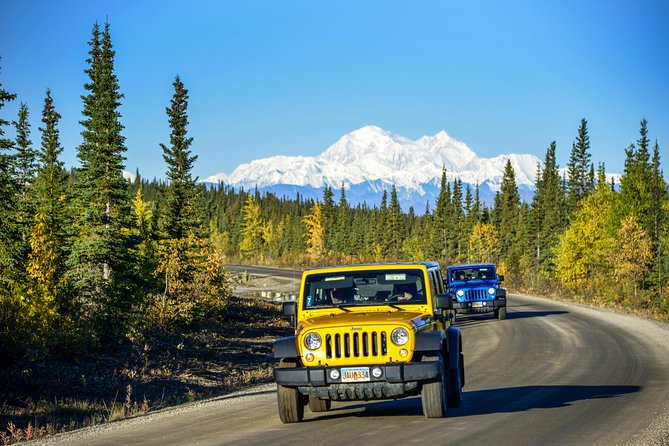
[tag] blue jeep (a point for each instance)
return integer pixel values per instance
(476, 289)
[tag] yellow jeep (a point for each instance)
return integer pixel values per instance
(369, 332)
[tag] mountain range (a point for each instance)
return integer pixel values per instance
(370, 160)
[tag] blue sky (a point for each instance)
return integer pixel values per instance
(291, 77)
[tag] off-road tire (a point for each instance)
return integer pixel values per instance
(319, 405)
(289, 400)
(500, 313)
(455, 383)
(433, 393)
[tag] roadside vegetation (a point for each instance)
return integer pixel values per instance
(103, 278)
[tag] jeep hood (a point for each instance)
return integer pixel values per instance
(359, 319)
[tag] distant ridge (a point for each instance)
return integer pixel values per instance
(371, 159)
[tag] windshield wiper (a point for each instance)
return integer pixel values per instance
(343, 307)
(391, 304)
(325, 307)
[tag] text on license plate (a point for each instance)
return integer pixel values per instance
(478, 304)
(354, 374)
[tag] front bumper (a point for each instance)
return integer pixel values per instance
(479, 306)
(397, 379)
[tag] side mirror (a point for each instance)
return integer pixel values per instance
(445, 301)
(290, 310)
(500, 277)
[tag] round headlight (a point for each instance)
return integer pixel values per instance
(491, 291)
(461, 293)
(399, 336)
(312, 341)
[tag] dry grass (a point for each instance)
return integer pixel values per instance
(209, 360)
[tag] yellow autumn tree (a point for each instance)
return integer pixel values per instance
(43, 262)
(314, 235)
(196, 283)
(412, 248)
(583, 249)
(632, 253)
(484, 244)
(252, 229)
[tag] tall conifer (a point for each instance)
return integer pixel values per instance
(342, 224)
(637, 181)
(46, 261)
(50, 191)
(26, 155)
(659, 196)
(180, 211)
(26, 166)
(98, 263)
(580, 181)
(507, 208)
(440, 219)
(548, 210)
(395, 232)
(9, 190)
(328, 212)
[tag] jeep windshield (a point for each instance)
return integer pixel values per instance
(364, 288)
(474, 273)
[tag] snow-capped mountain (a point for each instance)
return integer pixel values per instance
(371, 159)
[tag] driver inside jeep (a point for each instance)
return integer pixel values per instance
(404, 291)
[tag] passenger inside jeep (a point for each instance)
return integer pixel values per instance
(341, 295)
(404, 291)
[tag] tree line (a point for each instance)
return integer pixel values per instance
(89, 259)
(86, 261)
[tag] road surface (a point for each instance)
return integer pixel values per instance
(551, 373)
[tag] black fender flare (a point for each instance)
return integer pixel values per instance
(285, 348)
(454, 347)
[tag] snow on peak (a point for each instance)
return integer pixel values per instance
(371, 154)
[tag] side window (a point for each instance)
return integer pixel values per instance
(435, 282)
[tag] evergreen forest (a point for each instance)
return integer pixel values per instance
(89, 259)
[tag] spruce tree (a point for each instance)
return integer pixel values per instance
(98, 265)
(328, 212)
(378, 220)
(507, 208)
(9, 191)
(180, 213)
(548, 211)
(579, 167)
(46, 296)
(441, 219)
(395, 232)
(456, 237)
(26, 155)
(658, 195)
(477, 207)
(636, 182)
(50, 190)
(342, 224)
(26, 165)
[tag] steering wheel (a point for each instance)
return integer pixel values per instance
(397, 296)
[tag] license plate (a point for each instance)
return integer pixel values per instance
(478, 304)
(354, 374)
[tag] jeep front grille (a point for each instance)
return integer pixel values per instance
(476, 294)
(356, 344)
